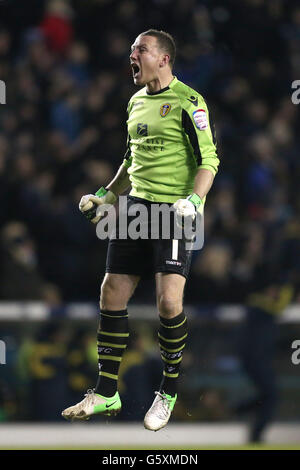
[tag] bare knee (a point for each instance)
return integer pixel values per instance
(116, 291)
(108, 294)
(168, 306)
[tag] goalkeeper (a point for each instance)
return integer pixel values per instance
(171, 158)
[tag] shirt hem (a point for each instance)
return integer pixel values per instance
(161, 198)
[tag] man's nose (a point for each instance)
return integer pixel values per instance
(133, 55)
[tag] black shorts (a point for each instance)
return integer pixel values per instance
(145, 257)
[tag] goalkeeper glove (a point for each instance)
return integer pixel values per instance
(90, 204)
(187, 208)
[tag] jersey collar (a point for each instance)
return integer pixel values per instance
(173, 82)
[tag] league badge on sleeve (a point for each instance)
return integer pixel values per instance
(200, 118)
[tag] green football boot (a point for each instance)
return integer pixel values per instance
(93, 404)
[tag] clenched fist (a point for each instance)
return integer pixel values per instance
(90, 204)
(187, 208)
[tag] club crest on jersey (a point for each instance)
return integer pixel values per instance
(142, 129)
(200, 118)
(165, 109)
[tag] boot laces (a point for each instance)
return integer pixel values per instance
(89, 398)
(161, 407)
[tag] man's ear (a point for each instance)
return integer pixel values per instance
(165, 60)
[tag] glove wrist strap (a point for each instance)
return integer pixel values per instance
(195, 199)
(101, 192)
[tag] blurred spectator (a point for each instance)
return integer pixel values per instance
(8, 405)
(47, 367)
(77, 63)
(57, 25)
(82, 362)
(20, 277)
(257, 346)
(212, 274)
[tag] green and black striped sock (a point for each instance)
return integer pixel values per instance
(172, 337)
(112, 339)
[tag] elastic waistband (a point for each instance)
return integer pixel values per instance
(146, 202)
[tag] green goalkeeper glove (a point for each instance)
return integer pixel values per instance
(89, 204)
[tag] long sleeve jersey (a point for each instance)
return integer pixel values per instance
(170, 136)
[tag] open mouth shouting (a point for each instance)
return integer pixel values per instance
(135, 69)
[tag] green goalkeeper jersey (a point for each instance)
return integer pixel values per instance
(169, 138)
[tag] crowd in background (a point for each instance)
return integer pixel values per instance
(63, 135)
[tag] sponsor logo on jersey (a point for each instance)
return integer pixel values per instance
(142, 129)
(200, 118)
(193, 100)
(165, 109)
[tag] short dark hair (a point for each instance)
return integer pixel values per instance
(165, 42)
